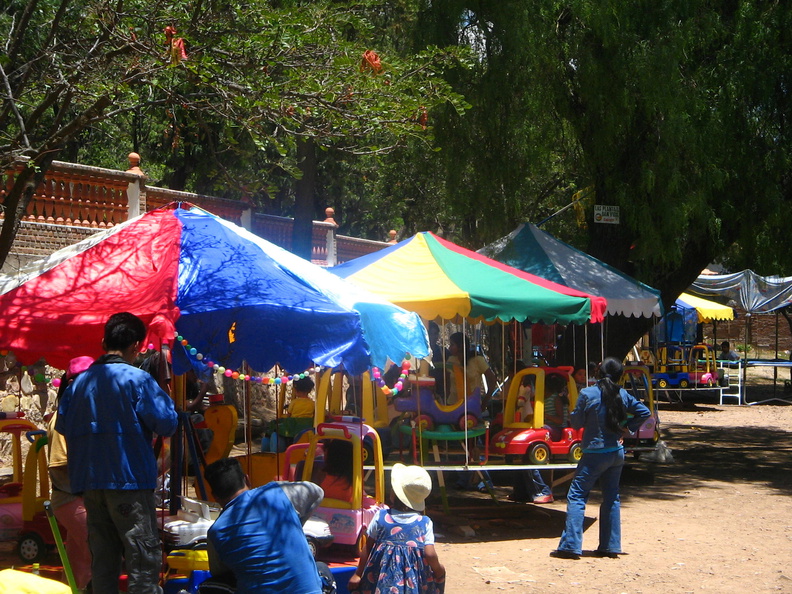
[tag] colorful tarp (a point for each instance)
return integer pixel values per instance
(532, 250)
(439, 279)
(706, 310)
(234, 296)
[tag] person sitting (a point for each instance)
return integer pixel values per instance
(525, 398)
(476, 368)
(298, 417)
(336, 474)
(257, 544)
(556, 406)
(439, 356)
(529, 484)
(301, 405)
(726, 353)
(581, 378)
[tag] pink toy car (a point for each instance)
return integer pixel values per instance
(703, 368)
(348, 518)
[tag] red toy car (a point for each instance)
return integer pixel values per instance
(524, 438)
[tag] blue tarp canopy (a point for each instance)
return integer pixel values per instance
(233, 295)
(530, 249)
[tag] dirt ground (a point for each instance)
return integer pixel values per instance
(716, 519)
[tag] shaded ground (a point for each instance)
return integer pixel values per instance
(717, 519)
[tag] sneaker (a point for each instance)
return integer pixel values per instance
(562, 554)
(539, 499)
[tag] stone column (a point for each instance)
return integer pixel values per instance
(332, 255)
(136, 191)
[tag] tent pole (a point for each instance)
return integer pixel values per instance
(574, 345)
(248, 421)
(446, 383)
(585, 345)
(503, 349)
(464, 384)
(775, 369)
(602, 340)
(745, 350)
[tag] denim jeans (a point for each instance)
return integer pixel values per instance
(124, 524)
(607, 468)
(529, 484)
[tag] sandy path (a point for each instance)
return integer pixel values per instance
(717, 519)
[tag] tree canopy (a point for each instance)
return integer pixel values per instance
(249, 82)
(471, 118)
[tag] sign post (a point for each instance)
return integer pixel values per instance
(606, 214)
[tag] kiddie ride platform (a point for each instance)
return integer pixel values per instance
(449, 448)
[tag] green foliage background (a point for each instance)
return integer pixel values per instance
(676, 111)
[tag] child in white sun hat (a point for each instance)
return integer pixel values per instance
(399, 555)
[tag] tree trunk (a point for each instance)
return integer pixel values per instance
(17, 200)
(305, 192)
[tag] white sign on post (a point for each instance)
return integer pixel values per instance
(606, 214)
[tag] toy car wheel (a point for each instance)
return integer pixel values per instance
(575, 453)
(662, 383)
(312, 546)
(424, 422)
(368, 452)
(684, 383)
(467, 422)
(31, 547)
(539, 454)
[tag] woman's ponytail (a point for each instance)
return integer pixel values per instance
(615, 413)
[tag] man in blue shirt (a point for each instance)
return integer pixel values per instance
(259, 537)
(108, 416)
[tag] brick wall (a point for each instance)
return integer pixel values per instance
(762, 336)
(75, 201)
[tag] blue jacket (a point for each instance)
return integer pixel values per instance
(591, 416)
(259, 538)
(108, 416)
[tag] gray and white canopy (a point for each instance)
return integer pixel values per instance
(530, 249)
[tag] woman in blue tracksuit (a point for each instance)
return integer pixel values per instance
(607, 413)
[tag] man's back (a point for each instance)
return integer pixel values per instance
(259, 537)
(108, 415)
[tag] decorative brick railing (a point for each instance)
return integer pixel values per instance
(75, 200)
(231, 210)
(77, 196)
(349, 248)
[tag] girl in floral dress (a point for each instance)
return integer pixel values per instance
(399, 556)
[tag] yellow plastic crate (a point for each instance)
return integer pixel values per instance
(189, 560)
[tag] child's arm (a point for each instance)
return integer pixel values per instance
(354, 581)
(431, 558)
